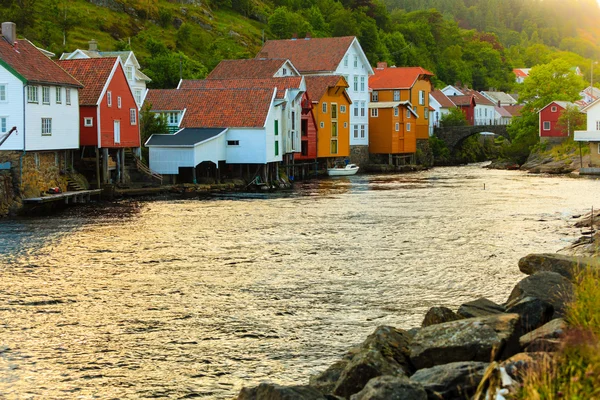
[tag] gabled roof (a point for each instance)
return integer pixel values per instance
(521, 72)
(93, 73)
(479, 98)
(462, 101)
(282, 84)
(502, 112)
(317, 86)
(309, 55)
(441, 98)
(248, 68)
(123, 55)
(515, 110)
(187, 137)
(397, 77)
(503, 98)
(32, 66)
(561, 104)
(215, 108)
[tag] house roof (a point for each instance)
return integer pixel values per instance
(123, 55)
(282, 84)
(185, 137)
(521, 72)
(441, 98)
(561, 104)
(317, 86)
(215, 108)
(388, 104)
(479, 98)
(247, 68)
(502, 112)
(32, 65)
(309, 55)
(461, 101)
(397, 77)
(515, 110)
(93, 73)
(503, 98)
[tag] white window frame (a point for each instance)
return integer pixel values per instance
(396, 111)
(356, 131)
(68, 96)
(45, 94)
(118, 101)
(363, 107)
(322, 124)
(362, 83)
(374, 112)
(553, 109)
(396, 95)
(397, 126)
(129, 72)
(284, 71)
(355, 61)
(58, 95)
(546, 125)
(407, 113)
(362, 131)
(109, 98)
(356, 107)
(345, 125)
(138, 96)
(346, 60)
(598, 125)
(343, 108)
(88, 121)
(324, 108)
(426, 113)
(356, 83)
(132, 116)
(422, 97)
(32, 94)
(408, 127)
(3, 123)
(46, 126)
(3, 92)
(375, 96)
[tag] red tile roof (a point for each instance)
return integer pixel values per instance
(397, 77)
(283, 83)
(462, 101)
(520, 73)
(29, 62)
(251, 68)
(312, 55)
(317, 86)
(479, 98)
(515, 110)
(215, 108)
(441, 98)
(93, 73)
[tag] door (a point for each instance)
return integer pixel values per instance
(117, 131)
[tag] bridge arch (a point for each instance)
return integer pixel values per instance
(453, 135)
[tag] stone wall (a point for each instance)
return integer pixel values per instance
(359, 155)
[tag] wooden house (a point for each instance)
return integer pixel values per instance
(549, 128)
(441, 105)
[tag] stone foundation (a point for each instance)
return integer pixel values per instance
(359, 155)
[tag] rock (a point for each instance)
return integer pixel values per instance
(520, 363)
(479, 308)
(391, 388)
(270, 391)
(544, 345)
(456, 380)
(567, 266)
(326, 380)
(534, 312)
(177, 22)
(385, 352)
(438, 315)
(554, 329)
(549, 286)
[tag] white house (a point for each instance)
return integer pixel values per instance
(441, 105)
(333, 56)
(592, 136)
(499, 98)
(484, 113)
(135, 77)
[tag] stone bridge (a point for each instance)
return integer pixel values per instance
(453, 135)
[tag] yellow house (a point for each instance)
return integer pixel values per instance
(332, 115)
(399, 109)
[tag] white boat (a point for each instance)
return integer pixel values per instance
(349, 169)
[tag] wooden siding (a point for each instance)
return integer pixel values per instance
(547, 115)
(333, 95)
(384, 139)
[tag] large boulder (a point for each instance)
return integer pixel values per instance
(546, 335)
(567, 266)
(439, 315)
(473, 339)
(456, 380)
(385, 352)
(534, 312)
(270, 391)
(518, 365)
(480, 308)
(548, 286)
(326, 380)
(391, 388)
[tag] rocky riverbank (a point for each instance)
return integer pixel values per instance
(479, 350)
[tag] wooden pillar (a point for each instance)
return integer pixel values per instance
(218, 174)
(97, 167)
(122, 165)
(105, 165)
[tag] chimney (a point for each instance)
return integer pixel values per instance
(9, 31)
(93, 45)
(294, 36)
(499, 104)
(381, 65)
(307, 37)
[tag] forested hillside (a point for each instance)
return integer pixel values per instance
(476, 42)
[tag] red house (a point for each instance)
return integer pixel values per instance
(549, 115)
(308, 132)
(467, 104)
(108, 114)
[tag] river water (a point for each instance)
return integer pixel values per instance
(191, 298)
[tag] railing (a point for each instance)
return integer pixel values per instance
(143, 168)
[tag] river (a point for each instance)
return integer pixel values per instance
(191, 298)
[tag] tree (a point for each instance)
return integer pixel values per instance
(456, 117)
(571, 119)
(151, 123)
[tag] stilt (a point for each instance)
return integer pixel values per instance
(122, 165)
(105, 176)
(97, 167)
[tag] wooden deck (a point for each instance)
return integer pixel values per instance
(80, 196)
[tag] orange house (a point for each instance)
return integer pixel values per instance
(332, 115)
(411, 85)
(392, 128)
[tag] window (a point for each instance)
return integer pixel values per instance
(138, 96)
(293, 120)
(322, 124)
(3, 127)
(88, 122)
(486, 112)
(173, 118)
(598, 125)
(396, 111)
(284, 71)
(407, 113)
(375, 96)
(68, 96)
(334, 146)
(397, 126)
(304, 150)
(277, 147)
(119, 101)
(109, 98)
(363, 107)
(233, 143)
(553, 108)
(422, 97)
(362, 83)
(343, 109)
(396, 95)
(129, 72)
(276, 128)
(546, 125)
(355, 110)
(408, 127)
(3, 92)
(356, 83)
(58, 95)
(346, 60)
(374, 112)
(45, 95)
(46, 126)
(132, 116)
(345, 125)
(426, 113)
(362, 131)
(32, 94)
(333, 111)
(356, 131)
(324, 108)
(334, 129)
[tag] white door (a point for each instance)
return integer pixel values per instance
(117, 131)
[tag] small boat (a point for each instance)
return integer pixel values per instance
(349, 169)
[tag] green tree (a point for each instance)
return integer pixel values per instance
(150, 124)
(455, 117)
(571, 119)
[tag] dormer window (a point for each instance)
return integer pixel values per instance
(284, 71)
(129, 72)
